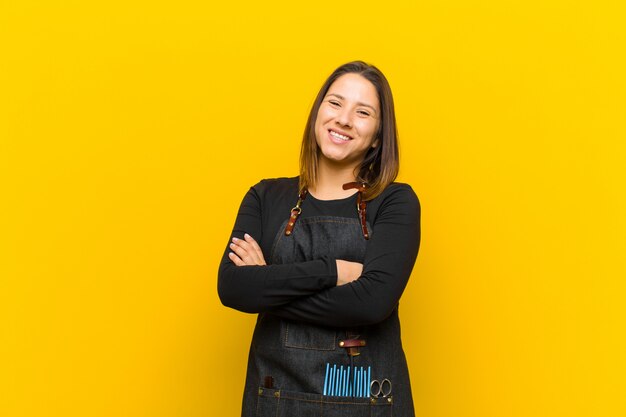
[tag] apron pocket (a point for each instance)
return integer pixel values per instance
(281, 403)
(308, 336)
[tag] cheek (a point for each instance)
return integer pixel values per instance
(319, 120)
(318, 129)
(368, 129)
(322, 116)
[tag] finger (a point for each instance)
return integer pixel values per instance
(236, 260)
(257, 249)
(244, 251)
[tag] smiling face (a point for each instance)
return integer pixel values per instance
(347, 121)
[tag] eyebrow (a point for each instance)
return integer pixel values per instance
(359, 103)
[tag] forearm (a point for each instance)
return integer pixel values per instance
(368, 300)
(255, 289)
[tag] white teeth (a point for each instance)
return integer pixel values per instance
(338, 136)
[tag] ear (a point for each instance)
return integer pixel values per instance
(375, 143)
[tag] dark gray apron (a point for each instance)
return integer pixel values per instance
(295, 354)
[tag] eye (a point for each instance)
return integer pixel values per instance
(363, 112)
(334, 103)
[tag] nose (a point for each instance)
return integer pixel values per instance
(344, 117)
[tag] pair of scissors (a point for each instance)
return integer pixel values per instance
(380, 388)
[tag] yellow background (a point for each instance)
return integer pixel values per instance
(130, 131)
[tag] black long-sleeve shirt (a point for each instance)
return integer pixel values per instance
(307, 291)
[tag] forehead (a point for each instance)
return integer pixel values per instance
(356, 88)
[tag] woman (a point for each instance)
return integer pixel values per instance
(323, 258)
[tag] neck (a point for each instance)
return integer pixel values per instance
(330, 181)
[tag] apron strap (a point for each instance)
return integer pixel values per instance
(295, 212)
(361, 207)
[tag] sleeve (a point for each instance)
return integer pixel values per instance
(253, 289)
(390, 256)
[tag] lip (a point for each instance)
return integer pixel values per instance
(341, 132)
(336, 140)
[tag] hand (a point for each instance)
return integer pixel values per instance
(348, 271)
(246, 252)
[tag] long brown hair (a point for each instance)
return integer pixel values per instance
(381, 164)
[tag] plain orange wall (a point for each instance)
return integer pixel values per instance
(130, 131)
